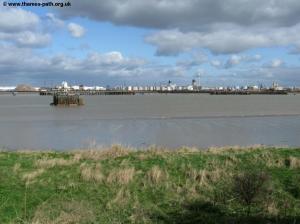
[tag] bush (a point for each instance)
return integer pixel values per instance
(248, 185)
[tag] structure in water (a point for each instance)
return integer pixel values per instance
(67, 100)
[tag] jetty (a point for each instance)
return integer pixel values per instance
(249, 92)
(137, 92)
(67, 100)
(87, 92)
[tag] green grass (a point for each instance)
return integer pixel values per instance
(119, 185)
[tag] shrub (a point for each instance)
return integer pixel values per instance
(248, 185)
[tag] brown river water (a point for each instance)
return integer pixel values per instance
(29, 122)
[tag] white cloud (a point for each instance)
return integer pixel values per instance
(284, 75)
(25, 63)
(22, 28)
(216, 63)
(27, 39)
(275, 63)
(54, 20)
(14, 60)
(233, 60)
(30, 39)
(256, 57)
(17, 19)
(200, 72)
(76, 30)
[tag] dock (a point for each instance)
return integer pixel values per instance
(123, 92)
(87, 93)
(251, 92)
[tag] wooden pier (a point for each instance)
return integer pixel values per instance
(212, 92)
(87, 93)
(250, 92)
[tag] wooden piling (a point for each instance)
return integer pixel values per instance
(67, 100)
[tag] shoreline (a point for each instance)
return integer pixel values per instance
(132, 149)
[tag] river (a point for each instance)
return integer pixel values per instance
(173, 120)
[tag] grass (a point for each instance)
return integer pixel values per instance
(155, 185)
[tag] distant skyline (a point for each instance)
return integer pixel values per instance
(136, 42)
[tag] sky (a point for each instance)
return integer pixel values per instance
(148, 42)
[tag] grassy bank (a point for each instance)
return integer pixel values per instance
(119, 185)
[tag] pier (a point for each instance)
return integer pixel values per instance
(87, 92)
(253, 92)
(211, 92)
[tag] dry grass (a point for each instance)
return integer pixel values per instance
(155, 151)
(188, 150)
(91, 173)
(114, 151)
(294, 162)
(30, 176)
(139, 215)
(63, 212)
(231, 161)
(16, 167)
(156, 175)
(158, 151)
(214, 163)
(268, 158)
(272, 209)
(234, 149)
(275, 160)
(121, 199)
(29, 152)
(46, 163)
(205, 177)
(121, 176)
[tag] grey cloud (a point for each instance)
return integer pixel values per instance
(197, 58)
(223, 41)
(222, 26)
(188, 14)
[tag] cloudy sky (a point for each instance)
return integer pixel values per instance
(116, 42)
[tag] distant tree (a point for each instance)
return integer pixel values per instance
(248, 185)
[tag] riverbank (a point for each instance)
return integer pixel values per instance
(121, 185)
